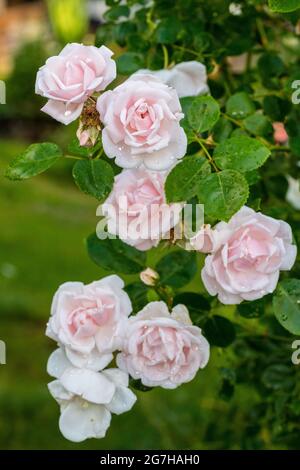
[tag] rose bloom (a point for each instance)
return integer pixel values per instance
(188, 78)
(136, 209)
(68, 79)
(88, 320)
(204, 240)
(246, 265)
(87, 397)
(141, 119)
(161, 348)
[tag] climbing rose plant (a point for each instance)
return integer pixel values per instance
(201, 113)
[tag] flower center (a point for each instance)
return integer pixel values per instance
(85, 320)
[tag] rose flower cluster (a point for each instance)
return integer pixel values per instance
(100, 343)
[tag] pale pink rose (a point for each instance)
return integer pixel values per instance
(207, 239)
(136, 209)
(246, 266)
(68, 79)
(141, 119)
(161, 348)
(280, 134)
(89, 320)
(203, 241)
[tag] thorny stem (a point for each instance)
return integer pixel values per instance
(166, 56)
(161, 291)
(261, 139)
(266, 335)
(207, 154)
(101, 151)
(73, 157)
(262, 33)
(190, 51)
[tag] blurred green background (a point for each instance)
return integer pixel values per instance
(43, 225)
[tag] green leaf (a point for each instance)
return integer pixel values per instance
(116, 12)
(197, 305)
(270, 64)
(278, 377)
(177, 269)
(241, 153)
(254, 309)
(123, 32)
(258, 124)
(276, 108)
(203, 113)
(284, 6)
(129, 62)
(94, 177)
(240, 105)
(182, 182)
(222, 130)
(186, 103)
(219, 331)
(114, 255)
(252, 177)
(36, 159)
(75, 149)
(137, 385)
(228, 383)
(167, 30)
(223, 193)
(286, 304)
(138, 293)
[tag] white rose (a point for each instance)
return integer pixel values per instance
(86, 397)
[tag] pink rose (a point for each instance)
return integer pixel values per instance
(246, 265)
(163, 349)
(141, 119)
(204, 240)
(71, 77)
(136, 209)
(88, 320)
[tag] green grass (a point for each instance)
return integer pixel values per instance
(43, 224)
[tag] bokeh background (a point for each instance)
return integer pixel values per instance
(44, 222)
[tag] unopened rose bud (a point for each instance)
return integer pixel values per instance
(89, 125)
(149, 277)
(280, 134)
(87, 137)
